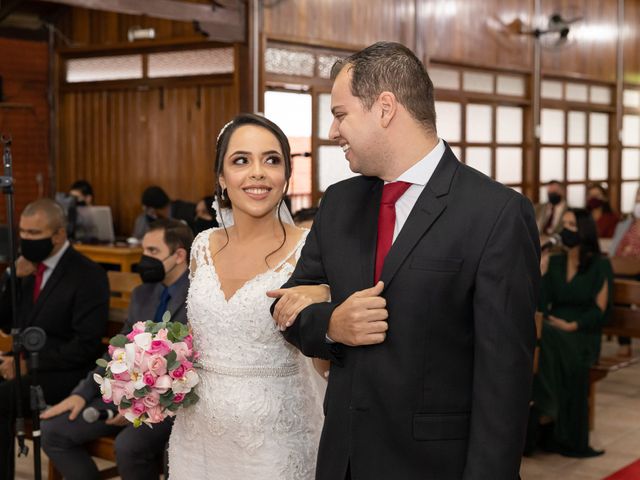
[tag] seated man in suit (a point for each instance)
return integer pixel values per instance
(164, 271)
(65, 294)
(549, 214)
(157, 204)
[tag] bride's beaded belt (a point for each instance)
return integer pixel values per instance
(254, 371)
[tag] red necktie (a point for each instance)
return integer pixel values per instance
(38, 283)
(387, 221)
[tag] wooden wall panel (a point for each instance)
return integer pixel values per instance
(125, 140)
(632, 41)
(354, 22)
(24, 115)
(475, 32)
(592, 53)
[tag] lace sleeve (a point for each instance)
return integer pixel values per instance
(303, 239)
(199, 249)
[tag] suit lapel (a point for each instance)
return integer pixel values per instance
(52, 282)
(428, 208)
(368, 229)
(177, 301)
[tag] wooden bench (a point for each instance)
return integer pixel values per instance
(624, 321)
(625, 266)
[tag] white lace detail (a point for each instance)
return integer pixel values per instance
(256, 418)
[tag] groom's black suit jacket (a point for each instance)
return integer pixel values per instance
(446, 395)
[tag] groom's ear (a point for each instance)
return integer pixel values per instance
(388, 104)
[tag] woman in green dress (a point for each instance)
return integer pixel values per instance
(575, 299)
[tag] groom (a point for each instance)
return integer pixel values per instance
(430, 369)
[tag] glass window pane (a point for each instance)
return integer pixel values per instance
(601, 95)
(289, 62)
(630, 163)
(448, 120)
(480, 159)
(509, 165)
(551, 164)
(445, 78)
(577, 128)
(598, 163)
(104, 68)
(576, 195)
(509, 124)
(517, 189)
(325, 117)
(631, 98)
(510, 85)
(577, 92)
(325, 64)
(598, 129)
(290, 111)
(477, 82)
(629, 191)
(190, 62)
(631, 130)
(479, 123)
(552, 125)
(576, 164)
(332, 166)
(551, 89)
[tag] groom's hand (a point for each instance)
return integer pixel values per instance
(360, 319)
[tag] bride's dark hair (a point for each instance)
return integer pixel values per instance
(222, 144)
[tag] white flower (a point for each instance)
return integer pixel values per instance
(186, 383)
(105, 385)
(119, 363)
(143, 340)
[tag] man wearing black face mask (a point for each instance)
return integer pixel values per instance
(83, 193)
(65, 294)
(164, 271)
(549, 214)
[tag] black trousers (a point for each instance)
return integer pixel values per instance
(139, 451)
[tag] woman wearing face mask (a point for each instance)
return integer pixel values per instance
(575, 298)
(604, 216)
(626, 240)
(259, 414)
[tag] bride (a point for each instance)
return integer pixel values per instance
(259, 414)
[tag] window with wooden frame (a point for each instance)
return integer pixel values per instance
(575, 125)
(630, 139)
(482, 115)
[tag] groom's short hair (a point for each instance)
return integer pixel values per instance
(392, 67)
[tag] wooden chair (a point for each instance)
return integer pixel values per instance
(121, 284)
(624, 321)
(625, 266)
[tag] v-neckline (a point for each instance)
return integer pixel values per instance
(276, 269)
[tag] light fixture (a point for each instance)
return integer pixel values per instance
(137, 33)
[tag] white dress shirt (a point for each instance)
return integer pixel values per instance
(51, 263)
(418, 175)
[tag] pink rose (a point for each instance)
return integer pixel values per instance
(139, 326)
(149, 379)
(178, 397)
(178, 372)
(160, 347)
(162, 334)
(163, 383)
(151, 399)
(129, 389)
(111, 349)
(182, 350)
(106, 399)
(189, 341)
(138, 407)
(155, 414)
(131, 335)
(117, 391)
(157, 365)
(123, 377)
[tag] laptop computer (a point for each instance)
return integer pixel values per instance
(94, 224)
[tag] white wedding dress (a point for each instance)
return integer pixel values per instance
(260, 413)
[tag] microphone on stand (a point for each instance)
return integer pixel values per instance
(92, 415)
(552, 241)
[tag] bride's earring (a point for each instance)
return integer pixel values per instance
(223, 194)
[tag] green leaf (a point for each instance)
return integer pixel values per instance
(166, 317)
(119, 341)
(190, 399)
(141, 392)
(174, 407)
(101, 362)
(166, 401)
(125, 403)
(172, 362)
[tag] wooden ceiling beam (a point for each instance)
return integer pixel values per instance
(223, 24)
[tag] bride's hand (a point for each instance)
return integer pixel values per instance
(295, 299)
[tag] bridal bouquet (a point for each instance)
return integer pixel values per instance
(151, 372)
